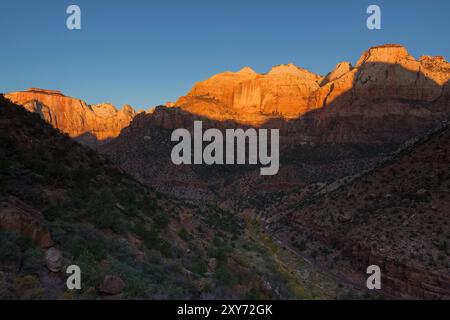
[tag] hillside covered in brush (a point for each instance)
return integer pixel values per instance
(63, 204)
(395, 216)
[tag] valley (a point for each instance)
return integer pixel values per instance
(363, 178)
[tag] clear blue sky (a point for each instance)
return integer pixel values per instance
(148, 52)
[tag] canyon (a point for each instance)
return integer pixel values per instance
(89, 124)
(363, 174)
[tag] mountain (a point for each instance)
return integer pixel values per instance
(63, 204)
(354, 188)
(251, 98)
(395, 216)
(331, 127)
(89, 124)
(386, 96)
(354, 185)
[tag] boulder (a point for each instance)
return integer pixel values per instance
(111, 285)
(54, 259)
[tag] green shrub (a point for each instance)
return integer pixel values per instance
(9, 248)
(12, 245)
(102, 211)
(90, 271)
(165, 248)
(52, 213)
(225, 277)
(32, 261)
(161, 221)
(149, 238)
(183, 234)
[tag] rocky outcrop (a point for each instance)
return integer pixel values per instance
(248, 97)
(54, 259)
(111, 285)
(90, 124)
(388, 96)
(16, 216)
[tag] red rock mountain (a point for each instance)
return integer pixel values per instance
(385, 72)
(385, 100)
(90, 124)
(388, 96)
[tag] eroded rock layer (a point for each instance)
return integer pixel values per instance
(90, 124)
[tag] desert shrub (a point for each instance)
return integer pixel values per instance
(89, 266)
(225, 277)
(52, 213)
(82, 175)
(219, 250)
(132, 211)
(183, 234)
(149, 238)
(122, 251)
(32, 261)
(155, 272)
(56, 172)
(9, 249)
(13, 245)
(199, 266)
(161, 221)
(126, 196)
(79, 246)
(165, 248)
(135, 284)
(28, 288)
(102, 212)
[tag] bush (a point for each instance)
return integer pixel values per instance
(9, 249)
(32, 262)
(225, 277)
(183, 234)
(149, 238)
(161, 221)
(102, 212)
(148, 205)
(165, 248)
(52, 213)
(135, 284)
(199, 266)
(90, 271)
(13, 245)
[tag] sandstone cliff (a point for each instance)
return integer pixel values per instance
(248, 97)
(90, 124)
(386, 95)
(286, 91)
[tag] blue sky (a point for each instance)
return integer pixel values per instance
(148, 52)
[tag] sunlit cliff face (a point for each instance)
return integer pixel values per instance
(290, 92)
(73, 116)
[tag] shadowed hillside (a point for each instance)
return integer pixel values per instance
(395, 216)
(62, 204)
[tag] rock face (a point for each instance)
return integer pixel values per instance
(386, 99)
(248, 97)
(388, 95)
(19, 217)
(54, 259)
(90, 124)
(111, 285)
